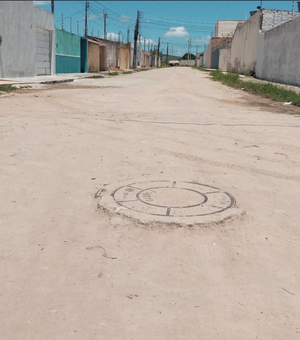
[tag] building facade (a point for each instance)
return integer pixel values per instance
(27, 45)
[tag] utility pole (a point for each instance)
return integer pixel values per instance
(167, 52)
(62, 21)
(144, 44)
(172, 52)
(52, 6)
(158, 46)
(71, 25)
(86, 14)
(128, 32)
(119, 36)
(104, 17)
(136, 34)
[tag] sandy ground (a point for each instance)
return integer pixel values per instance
(72, 271)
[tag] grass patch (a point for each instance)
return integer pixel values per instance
(7, 88)
(127, 72)
(141, 69)
(200, 68)
(25, 87)
(113, 73)
(267, 90)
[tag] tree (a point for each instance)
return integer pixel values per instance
(185, 56)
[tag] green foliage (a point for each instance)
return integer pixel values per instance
(113, 73)
(200, 68)
(267, 90)
(154, 51)
(186, 56)
(127, 72)
(7, 88)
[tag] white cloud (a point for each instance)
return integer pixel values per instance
(124, 18)
(204, 40)
(147, 41)
(176, 32)
(94, 16)
(112, 36)
(41, 2)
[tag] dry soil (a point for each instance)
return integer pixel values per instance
(71, 271)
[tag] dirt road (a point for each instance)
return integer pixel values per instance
(72, 271)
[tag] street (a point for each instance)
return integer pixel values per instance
(74, 269)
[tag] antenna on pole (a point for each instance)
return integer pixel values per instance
(52, 6)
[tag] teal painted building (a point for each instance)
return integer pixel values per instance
(71, 52)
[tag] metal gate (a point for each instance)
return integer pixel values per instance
(42, 51)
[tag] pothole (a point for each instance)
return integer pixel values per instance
(169, 201)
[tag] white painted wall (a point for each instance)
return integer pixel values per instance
(278, 54)
(18, 21)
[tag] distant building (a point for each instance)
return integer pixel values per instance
(226, 28)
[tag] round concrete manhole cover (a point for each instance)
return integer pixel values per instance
(169, 201)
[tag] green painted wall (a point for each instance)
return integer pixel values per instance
(67, 64)
(67, 52)
(67, 43)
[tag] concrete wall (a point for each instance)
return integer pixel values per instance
(124, 55)
(93, 56)
(244, 45)
(18, 22)
(278, 54)
(208, 56)
(199, 61)
(67, 52)
(147, 59)
(274, 18)
(224, 58)
(215, 58)
(131, 56)
(102, 53)
(187, 62)
(226, 28)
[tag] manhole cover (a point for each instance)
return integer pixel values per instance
(169, 201)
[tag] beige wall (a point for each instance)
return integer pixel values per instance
(224, 58)
(93, 57)
(124, 58)
(244, 45)
(208, 56)
(103, 66)
(226, 28)
(146, 56)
